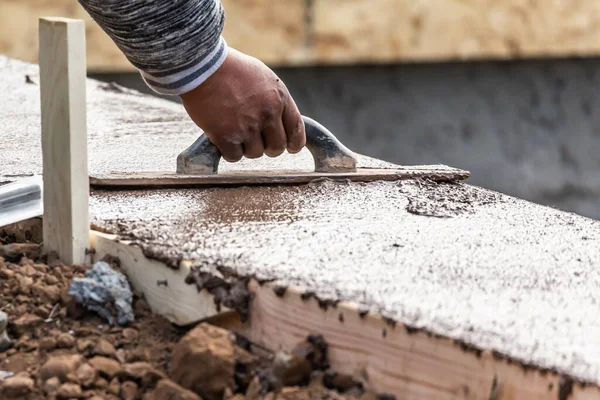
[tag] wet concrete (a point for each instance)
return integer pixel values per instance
(528, 128)
(488, 270)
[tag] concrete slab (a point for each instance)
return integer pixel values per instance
(489, 270)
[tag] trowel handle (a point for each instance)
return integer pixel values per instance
(330, 155)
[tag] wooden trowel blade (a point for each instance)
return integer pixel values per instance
(271, 177)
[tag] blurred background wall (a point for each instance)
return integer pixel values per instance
(504, 88)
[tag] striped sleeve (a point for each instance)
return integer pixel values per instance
(175, 44)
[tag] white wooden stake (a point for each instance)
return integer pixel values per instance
(64, 138)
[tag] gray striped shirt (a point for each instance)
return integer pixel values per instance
(175, 44)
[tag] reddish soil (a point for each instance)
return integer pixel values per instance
(61, 351)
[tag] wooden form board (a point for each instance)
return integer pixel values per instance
(249, 177)
(64, 137)
(299, 32)
(395, 360)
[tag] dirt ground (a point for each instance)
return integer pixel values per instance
(59, 350)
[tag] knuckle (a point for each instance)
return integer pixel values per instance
(298, 128)
(268, 112)
(282, 91)
(253, 128)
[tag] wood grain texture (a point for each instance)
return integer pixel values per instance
(386, 357)
(297, 32)
(64, 138)
(350, 31)
(163, 179)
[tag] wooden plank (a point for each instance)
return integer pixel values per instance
(248, 177)
(298, 32)
(387, 358)
(164, 288)
(64, 137)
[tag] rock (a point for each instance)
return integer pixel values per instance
(138, 354)
(43, 268)
(6, 273)
(17, 387)
(48, 294)
(84, 345)
(48, 343)
(52, 385)
(121, 355)
(107, 367)
(210, 347)
(295, 393)
(25, 344)
(245, 366)
(60, 366)
(5, 341)
(253, 391)
(130, 335)
(141, 371)
(65, 341)
(81, 268)
(102, 285)
(86, 374)
(129, 390)
(51, 280)
(340, 382)
(26, 323)
(114, 387)
(25, 261)
(25, 284)
(101, 383)
(28, 270)
(69, 391)
(14, 251)
(296, 368)
(289, 370)
(167, 389)
(105, 348)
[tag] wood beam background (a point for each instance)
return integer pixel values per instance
(302, 32)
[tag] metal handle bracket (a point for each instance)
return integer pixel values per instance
(329, 154)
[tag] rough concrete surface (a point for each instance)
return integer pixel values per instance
(526, 128)
(474, 265)
(488, 269)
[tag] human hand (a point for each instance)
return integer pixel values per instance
(246, 110)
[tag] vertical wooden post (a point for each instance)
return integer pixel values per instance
(62, 63)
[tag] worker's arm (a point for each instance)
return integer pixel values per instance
(241, 105)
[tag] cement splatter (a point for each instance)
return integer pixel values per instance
(445, 200)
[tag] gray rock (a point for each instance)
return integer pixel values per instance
(101, 287)
(5, 341)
